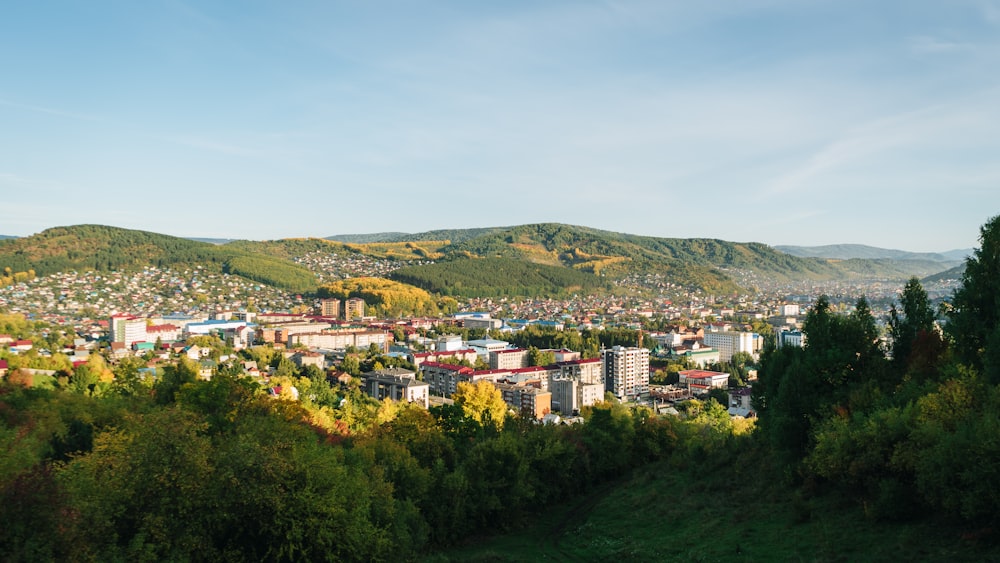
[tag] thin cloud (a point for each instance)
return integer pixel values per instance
(931, 124)
(934, 45)
(49, 111)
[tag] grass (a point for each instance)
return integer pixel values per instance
(735, 512)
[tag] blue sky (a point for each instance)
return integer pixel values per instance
(806, 122)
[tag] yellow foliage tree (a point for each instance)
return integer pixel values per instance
(481, 401)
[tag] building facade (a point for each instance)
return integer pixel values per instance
(354, 308)
(396, 384)
(626, 371)
(729, 343)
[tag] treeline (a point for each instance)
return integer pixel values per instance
(387, 298)
(492, 277)
(219, 471)
(908, 430)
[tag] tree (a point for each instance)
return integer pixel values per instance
(127, 379)
(914, 320)
(799, 386)
(974, 319)
(538, 357)
(351, 364)
(174, 377)
(481, 401)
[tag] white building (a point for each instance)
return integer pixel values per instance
(729, 343)
(789, 310)
(626, 371)
(128, 330)
(791, 338)
(569, 395)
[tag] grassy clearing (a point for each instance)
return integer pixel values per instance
(731, 512)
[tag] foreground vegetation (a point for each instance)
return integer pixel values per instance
(734, 505)
(861, 453)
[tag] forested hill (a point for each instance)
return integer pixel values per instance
(612, 253)
(552, 257)
(103, 248)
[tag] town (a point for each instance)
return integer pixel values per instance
(153, 318)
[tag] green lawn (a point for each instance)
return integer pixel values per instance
(726, 513)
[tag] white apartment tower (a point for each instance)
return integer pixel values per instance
(626, 371)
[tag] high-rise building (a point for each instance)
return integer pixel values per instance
(329, 308)
(626, 371)
(354, 308)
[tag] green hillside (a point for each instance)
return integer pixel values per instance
(488, 277)
(690, 260)
(102, 248)
(289, 248)
(947, 275)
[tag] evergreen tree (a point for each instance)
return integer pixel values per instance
(915, 318)
(974, 320)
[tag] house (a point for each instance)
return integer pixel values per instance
(196, 352)
(206, 368)
(4, 367)
(340, 378)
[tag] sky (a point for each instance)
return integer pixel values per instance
(783, 122)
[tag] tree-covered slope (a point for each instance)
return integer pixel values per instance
(102, 248)
(617, 253)
(489, 277)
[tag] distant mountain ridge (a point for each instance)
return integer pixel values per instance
(851, 251)
(533, 259)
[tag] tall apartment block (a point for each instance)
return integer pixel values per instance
(626, 371)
